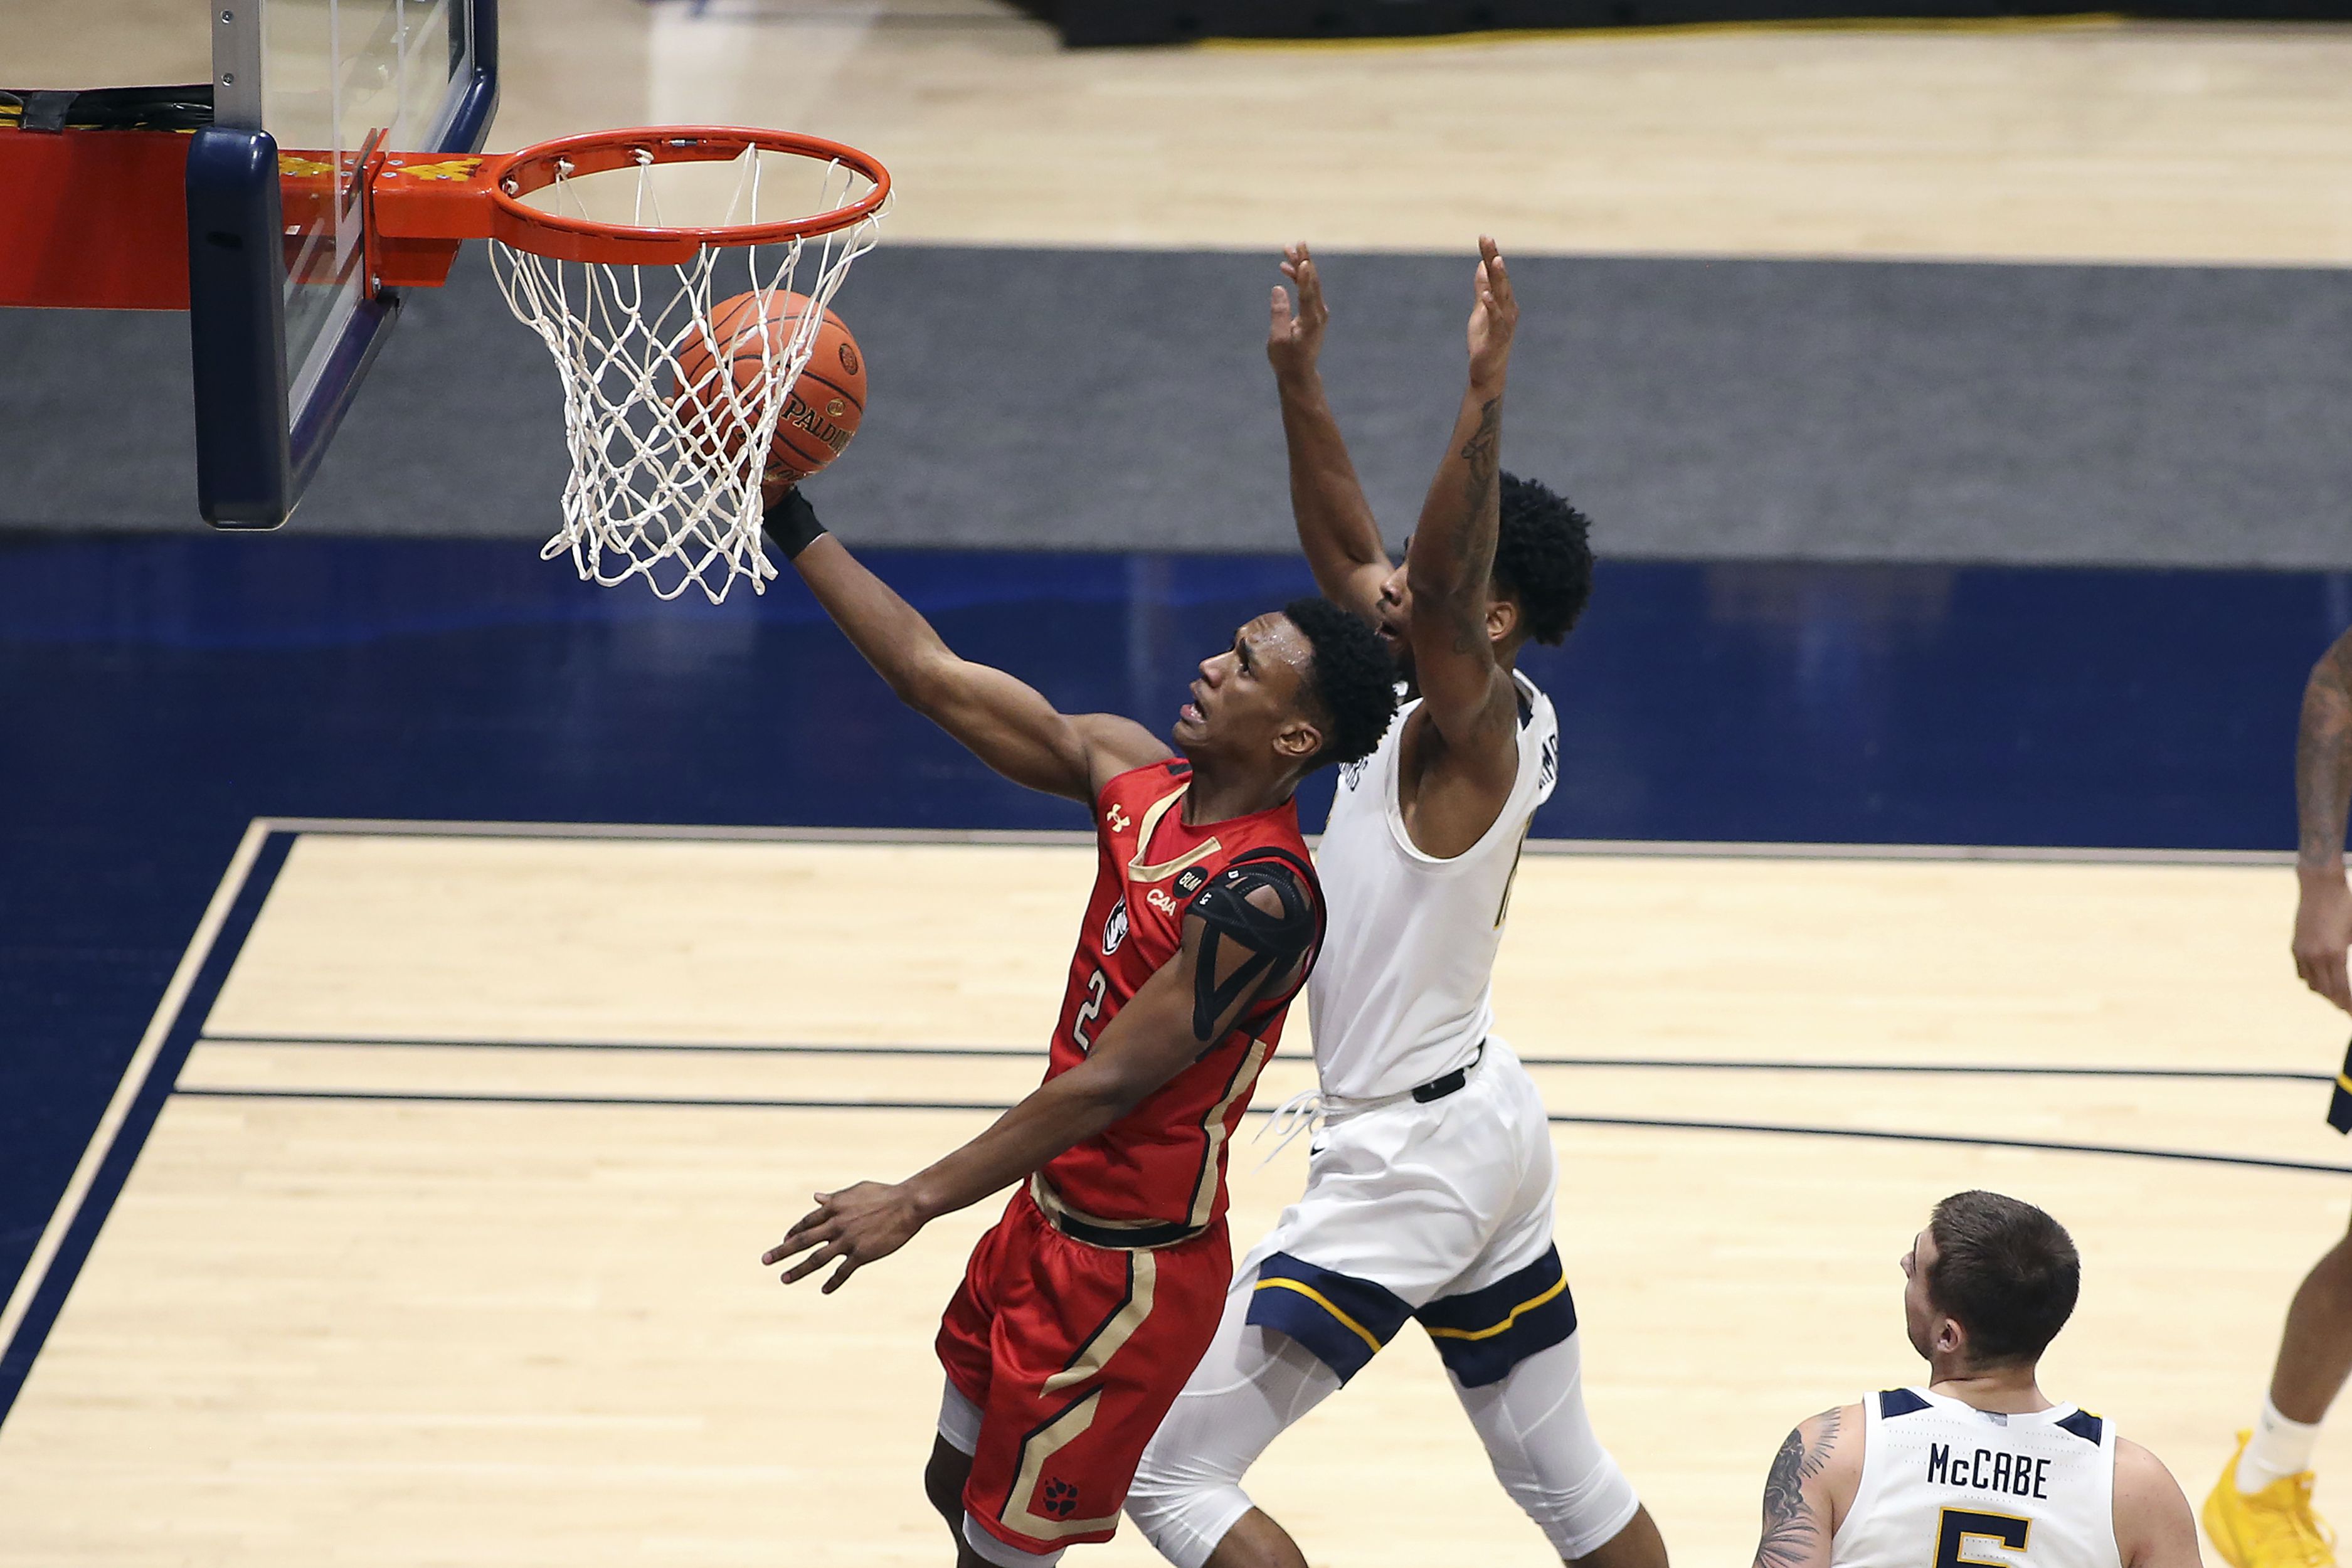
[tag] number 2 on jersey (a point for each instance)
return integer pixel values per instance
(1960, 1523)
(1088, 1011)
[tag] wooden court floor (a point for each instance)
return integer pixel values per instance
(2089, 140)
(445, 1248)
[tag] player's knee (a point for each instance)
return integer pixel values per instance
(1579, 1513)
(1182, 1506)
(1636, 1544)
(1161, 1489)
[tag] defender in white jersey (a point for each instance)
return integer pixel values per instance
(1977, 1466)
(1429, 1188)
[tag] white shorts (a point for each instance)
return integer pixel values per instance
(1437, 1210)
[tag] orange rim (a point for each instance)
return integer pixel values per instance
(564, 238)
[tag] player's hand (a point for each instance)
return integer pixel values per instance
(1493, 319)
(2323, 930)
(1294, 340)
(775, 483)
(856, 1225)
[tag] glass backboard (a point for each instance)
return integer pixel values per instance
(283, 319)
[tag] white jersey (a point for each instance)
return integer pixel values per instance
(1402, 992)
(1945, 1483)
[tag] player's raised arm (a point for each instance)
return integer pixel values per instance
(1465, 690)
(1336, 526)
(1249, 938)
(2323, 791)
(1003, 722)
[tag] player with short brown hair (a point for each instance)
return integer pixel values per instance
(1977, 1465)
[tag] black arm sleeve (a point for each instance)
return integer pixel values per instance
(790, 524)
(1274, 943)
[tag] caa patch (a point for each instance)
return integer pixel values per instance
(1191, 882)
(1115, 929)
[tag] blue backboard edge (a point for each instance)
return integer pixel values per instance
(251, 464)
(236, 328)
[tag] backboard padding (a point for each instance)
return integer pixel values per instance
(302, 90)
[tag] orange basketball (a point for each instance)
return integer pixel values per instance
(820, 411)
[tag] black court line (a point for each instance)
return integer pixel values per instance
(1662, 1064)
(1056, 838)
(633, 1101)
(428, 1096)
(1975, 1069)
(661, 1047)
(57, 1279)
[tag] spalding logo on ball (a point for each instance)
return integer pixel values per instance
(823, 407)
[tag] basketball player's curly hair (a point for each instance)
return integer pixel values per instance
(1542, 558)
(1354, 681)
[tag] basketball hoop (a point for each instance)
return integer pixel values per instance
(618, 279)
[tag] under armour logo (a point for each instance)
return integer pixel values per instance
(1119, 820)
(1061, 1499)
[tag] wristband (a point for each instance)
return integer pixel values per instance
(792, 523)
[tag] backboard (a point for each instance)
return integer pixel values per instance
(283, 321)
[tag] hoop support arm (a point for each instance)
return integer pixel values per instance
(421, 207)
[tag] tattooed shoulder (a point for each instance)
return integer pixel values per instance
(1791, 1526)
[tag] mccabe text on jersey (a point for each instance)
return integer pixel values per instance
(2014, 1474)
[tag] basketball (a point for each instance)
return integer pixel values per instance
(820, 411)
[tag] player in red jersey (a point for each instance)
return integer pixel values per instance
(1085, 1309)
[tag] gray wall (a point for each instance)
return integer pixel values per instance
(1777, 409)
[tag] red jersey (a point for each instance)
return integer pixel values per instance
(1158, 1173)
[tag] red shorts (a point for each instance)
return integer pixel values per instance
(1074, 1354)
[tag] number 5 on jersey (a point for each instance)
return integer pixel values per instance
(1961, 1525)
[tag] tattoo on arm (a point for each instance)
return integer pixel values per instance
(2323, 758)
(1483, 452)
(1790, 1526)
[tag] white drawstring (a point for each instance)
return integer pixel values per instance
(1302, 1112)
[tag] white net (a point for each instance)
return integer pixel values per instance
(664, 487)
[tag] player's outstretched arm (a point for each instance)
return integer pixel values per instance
(1248, 936)
(2323, 790)
(2154, 1528)
(1003, 722)
(1336, 526)
(1813, 1481)
(1451, 562)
